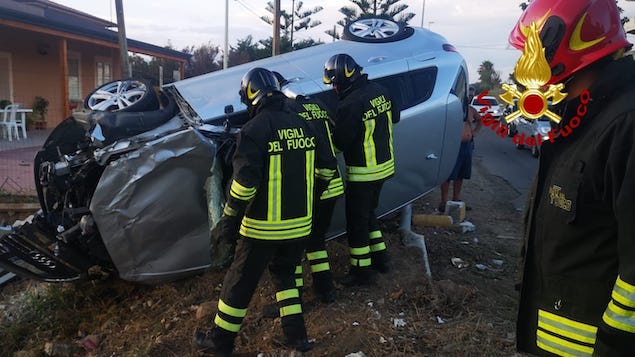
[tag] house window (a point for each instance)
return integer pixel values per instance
(103, 72)
(74, 75)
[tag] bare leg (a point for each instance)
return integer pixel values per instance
(445, 188)
(456, 194)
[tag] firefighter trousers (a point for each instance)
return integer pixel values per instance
(316, 249)
(251, 259)
(362, 227)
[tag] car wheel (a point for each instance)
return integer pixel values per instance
(535, 152)
(376, 30)
(126, 95)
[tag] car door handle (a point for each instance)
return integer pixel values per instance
(431, 157)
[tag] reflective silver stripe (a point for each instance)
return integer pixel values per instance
(563, 326)
(619, 318)
(624, 293)
(560, 346)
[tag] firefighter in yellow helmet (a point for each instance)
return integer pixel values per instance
(363, 132)
(277, 162)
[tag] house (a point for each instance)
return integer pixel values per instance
(60, 54)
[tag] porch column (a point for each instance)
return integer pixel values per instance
(64, 80)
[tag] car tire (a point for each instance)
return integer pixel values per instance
(535, 152)
(376, 30)
(125, 95)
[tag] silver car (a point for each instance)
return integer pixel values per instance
(136, 189)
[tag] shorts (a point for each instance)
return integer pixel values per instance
(463, 167)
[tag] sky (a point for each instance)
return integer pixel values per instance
(477, 28)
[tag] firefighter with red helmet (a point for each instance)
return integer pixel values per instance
(277, 162)
(363, 132)
(578, 285)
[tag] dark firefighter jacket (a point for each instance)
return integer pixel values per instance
(278, 157)
(363, 131)
(578, 289)
(317, 115)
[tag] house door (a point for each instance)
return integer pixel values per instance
(5, 77)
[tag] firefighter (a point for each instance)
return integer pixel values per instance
(578, 287)
(316, 113)
(277, 162)
(363, 132)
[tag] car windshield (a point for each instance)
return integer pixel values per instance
(482, 101)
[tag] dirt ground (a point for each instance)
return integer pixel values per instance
(468, 311)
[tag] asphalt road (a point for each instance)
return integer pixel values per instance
(501, 158)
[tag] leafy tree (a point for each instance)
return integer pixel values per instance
(489, 78)
(391, 9)
(298, 19)
(204, 60)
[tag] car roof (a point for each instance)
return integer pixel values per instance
(208, 94)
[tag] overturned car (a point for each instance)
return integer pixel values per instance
(132, 185)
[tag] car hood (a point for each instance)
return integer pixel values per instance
(208, 94)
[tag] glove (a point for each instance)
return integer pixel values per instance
(223, 239)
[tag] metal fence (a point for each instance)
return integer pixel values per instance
(16, 163)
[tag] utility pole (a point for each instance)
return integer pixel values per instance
(292, 21)
(123, 41)
(275, 44)
(423, 11)
(225, 47)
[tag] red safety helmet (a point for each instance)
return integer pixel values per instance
(574, 33)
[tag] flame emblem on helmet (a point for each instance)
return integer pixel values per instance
(532, 71)
(251, 94)
(576, 43)
(348, 73)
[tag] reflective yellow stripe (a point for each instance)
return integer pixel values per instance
(624, 293)
(392, 153)
(287, 294)
(374, 234)
(226, 325)
(298, 269)
(619, 318)
(285, 229)
(360, 262)
(310, 181)
(335, 188)
(274, 188)
(231, 311)
(370, 152)
(561, 346)
(229, 211)
(330, 136)
(316, 268)
(363, 174)
(565, 327)
(317, 255)
(299, 283)
(378, 247)
(360, 251)
(290, 310)
(324, 174)
(241, 192)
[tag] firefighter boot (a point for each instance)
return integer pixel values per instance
(216, 340)
(359, 276)
(294, 331)
(323, 286)
(380, 261)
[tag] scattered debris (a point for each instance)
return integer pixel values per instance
(356, 354)
(459, 263)
(498, 262)
(382, 339)
(91, 342)
(480, 266)
(57, 349)
(355, 323)
(206, 310)
(398, 323)
(440, 320)
(396, 294)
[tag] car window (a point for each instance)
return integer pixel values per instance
(410, 88)
(460, 90)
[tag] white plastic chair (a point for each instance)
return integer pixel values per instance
(20, 120)
(8, 121)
